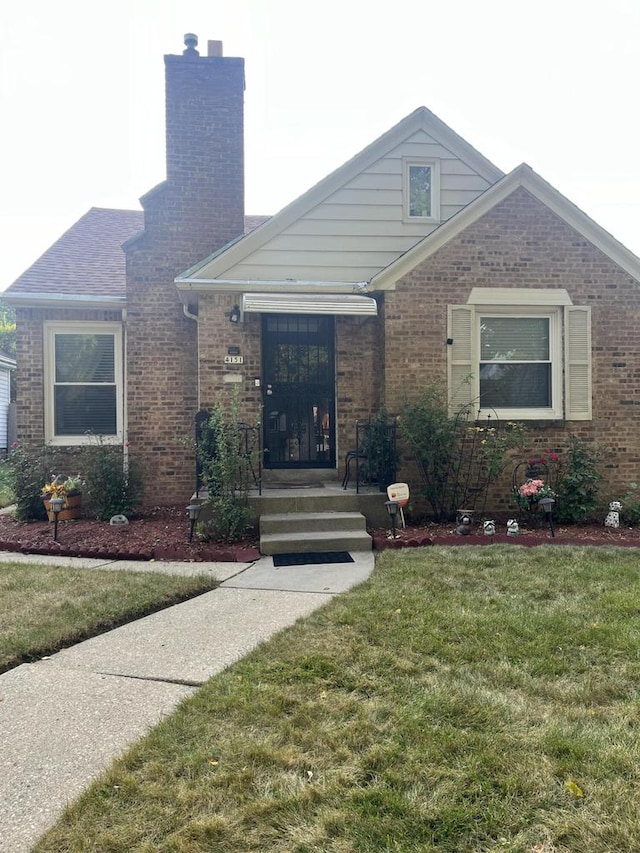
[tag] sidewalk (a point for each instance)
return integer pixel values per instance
(66, 717)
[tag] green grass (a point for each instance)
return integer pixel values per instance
(45, 608)
(463, 699)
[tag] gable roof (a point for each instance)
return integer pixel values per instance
(87, 262)
(522, 176)
(419, 130)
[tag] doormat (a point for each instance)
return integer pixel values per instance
(311, 558)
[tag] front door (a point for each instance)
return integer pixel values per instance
(298, 391)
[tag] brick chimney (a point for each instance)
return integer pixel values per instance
(205, 141)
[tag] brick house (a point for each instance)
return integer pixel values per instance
(416, 260)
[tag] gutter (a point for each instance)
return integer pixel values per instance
(208, 285)
(65, 300)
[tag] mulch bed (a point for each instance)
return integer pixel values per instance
(162, 533)
(446, 534)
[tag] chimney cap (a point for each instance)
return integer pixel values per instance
(191, 42)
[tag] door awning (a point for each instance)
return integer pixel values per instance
(309, 303)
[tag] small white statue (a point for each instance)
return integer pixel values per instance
(489, 528)
(613, 516)
(512, 527)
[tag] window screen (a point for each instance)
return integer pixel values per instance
(85, 386)
(515, 362)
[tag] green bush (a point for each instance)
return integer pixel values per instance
(576, 481)
(631, 506)
(225, 474)
(458, 459)
(112, 480)
(28, 468)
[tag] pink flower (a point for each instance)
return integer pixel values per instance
(531, 488)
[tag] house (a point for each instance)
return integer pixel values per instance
(416, 260)
(7, 427)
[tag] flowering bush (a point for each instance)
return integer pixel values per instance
(531, 492)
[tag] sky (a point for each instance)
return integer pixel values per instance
(552, 83)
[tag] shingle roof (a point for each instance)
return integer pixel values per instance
(88, 259)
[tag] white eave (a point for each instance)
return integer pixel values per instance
(198, 285)
(64, 300)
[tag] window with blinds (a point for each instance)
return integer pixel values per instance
(515, 362)
(85, 388)
(513, 356)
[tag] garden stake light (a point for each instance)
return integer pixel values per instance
(392, 509)
(194, 512)
(547, 506)
(56, 505)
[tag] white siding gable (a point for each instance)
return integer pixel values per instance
(351, 226)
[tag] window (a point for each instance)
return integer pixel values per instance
(83, 392)
(515, 364)
(421, 190)
(526, 362)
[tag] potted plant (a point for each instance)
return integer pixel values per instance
(531, 492)
(67, 488)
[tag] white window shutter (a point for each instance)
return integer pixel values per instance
(461, 382)
(577, 364)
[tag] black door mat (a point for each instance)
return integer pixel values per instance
(310, 559)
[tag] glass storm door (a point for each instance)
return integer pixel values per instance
(298, 391)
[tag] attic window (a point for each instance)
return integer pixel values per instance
(421, 182)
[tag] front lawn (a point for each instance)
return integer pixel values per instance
(45, 608)
(463, 699)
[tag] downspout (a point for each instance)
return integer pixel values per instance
(191, 316)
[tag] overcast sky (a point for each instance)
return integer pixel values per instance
(552, 83)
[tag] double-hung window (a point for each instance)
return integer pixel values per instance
(513, 357)
(421, 190)
(83, 391)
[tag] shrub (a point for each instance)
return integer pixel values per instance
(457, 460)
(113, 480)
(226, 475)
(29, 468)
(576, 481)
(631, 505)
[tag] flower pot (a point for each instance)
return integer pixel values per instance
(72, 508)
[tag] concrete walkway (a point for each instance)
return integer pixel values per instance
(66, 717)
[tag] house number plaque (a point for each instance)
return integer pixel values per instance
(234, 359)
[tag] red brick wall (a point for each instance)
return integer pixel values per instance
(520, 243)
(196, 211)
(360, 375)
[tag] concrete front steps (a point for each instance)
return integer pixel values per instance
(305, 532)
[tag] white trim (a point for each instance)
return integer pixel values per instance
(228, 285)
(282, 303)
(434, 164)
(515, 296)
(75, 327)
(64, 300)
